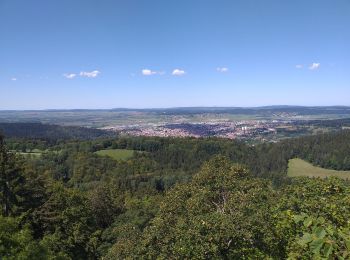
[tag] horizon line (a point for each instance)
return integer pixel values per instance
(180, 107)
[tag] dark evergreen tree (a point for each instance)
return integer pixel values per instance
(11, 181)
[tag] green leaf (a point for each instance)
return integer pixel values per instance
(346, 240)
(347, 244)
(320, 232)
(298, 218)
(316, 245)
(306, 238)
(328, 248)
(321, 220)
(308, 222)
(330, 231)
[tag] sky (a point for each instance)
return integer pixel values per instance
(64, 54)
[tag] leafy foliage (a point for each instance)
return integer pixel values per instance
(173, 198)
(212, 217)
(11, 181)
(50, 132)
(16, 241)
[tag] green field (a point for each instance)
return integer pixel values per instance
(30, 154)
(116, 154)
(35, 153)
(298, 167)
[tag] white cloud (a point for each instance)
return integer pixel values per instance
(148, 72)
(299, 66)
(13, 79)
(222, 69)
(69, 75)
(314, 66)
(178, 72)
(91, 74)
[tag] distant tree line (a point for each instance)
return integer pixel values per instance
(176, 197)
(72, 204)
(51, 132)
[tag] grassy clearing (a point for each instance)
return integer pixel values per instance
(116, 154)
(35, 153)
(298, 167)
(30, 154)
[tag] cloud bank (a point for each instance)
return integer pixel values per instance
(91, 74)
(178, 72)
(69, 75)
(314, 66)
(222, 69)
(148, 72)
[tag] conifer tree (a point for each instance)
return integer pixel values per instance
(11, 181)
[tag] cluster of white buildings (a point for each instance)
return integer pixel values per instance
(226, 129)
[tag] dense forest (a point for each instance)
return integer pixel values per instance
(174, 198)
(51, 132)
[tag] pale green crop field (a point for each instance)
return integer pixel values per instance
(35, 153)
(31, 154)
(298, 167)
(116, 154)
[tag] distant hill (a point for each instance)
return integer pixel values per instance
(266, 110)
(181, 110)
(50, 132)
(98, 118)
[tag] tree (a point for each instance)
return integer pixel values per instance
(104, 204)
(67, 222)
(16, 241)
(314, 218)
(11, 181)
(221, 213)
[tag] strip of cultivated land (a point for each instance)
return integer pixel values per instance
(298, 167)
(116, 154)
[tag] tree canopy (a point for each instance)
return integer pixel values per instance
(174, 198)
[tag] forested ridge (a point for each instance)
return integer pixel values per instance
(174, 198)
(51, 132)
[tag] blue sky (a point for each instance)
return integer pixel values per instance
(162, 53)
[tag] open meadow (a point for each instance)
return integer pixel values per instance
(298, 167)
(116, 154)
